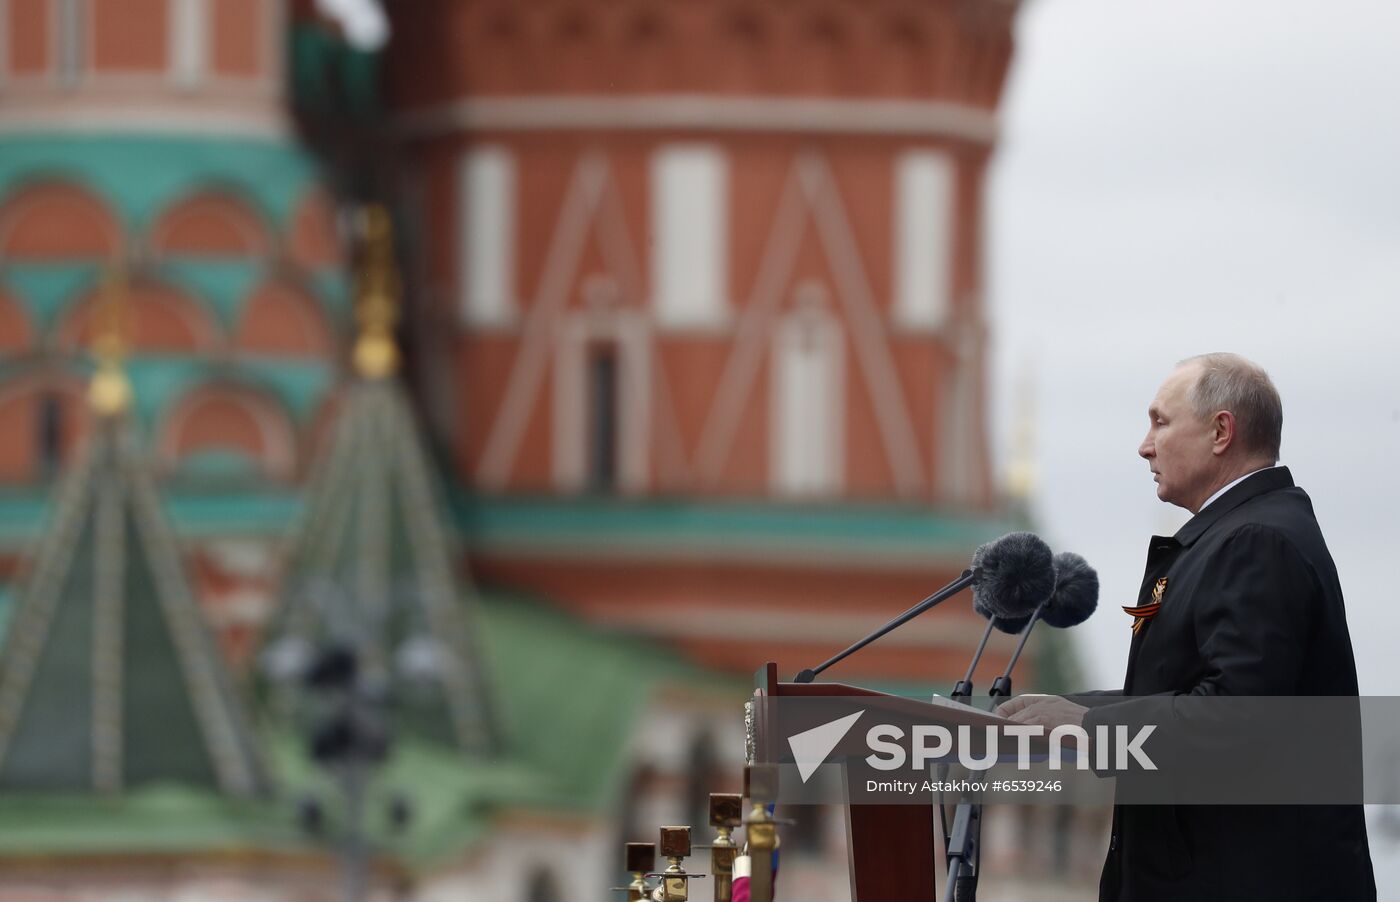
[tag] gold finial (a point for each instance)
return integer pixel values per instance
(110, 391)
(760, 829)
(377, 311)
(1022, 472)
(675, 881)
(641, 858)
(726, 813)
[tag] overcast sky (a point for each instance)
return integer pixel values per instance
(1184, 176)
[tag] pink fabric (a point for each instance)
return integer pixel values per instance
(740, 890)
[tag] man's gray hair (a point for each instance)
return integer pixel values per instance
(1230, 382)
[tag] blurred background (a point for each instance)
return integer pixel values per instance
(422, 418)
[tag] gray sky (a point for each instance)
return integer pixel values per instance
(1182, 176)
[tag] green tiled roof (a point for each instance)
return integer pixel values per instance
(220, 465)
(22, 516)
(157, 382)
(157, 819)
(226, 285)
(44, 289)
(269, 511)
(7, 602)
(571, 694)
(301, 385)
(222, 284)
(333, 287)
(571, 697)
(109, 676)
(591, 525)
(372, 564)
(140, 175)
(298, 386)
(254, 510)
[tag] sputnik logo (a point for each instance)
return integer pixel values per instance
(810, 747)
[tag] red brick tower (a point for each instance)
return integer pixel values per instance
(708, 280)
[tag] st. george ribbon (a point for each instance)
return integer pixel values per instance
(1075, 596)
(1011, 576)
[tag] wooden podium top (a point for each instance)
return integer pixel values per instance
(892, 850)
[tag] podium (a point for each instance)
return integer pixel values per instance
(892, 849)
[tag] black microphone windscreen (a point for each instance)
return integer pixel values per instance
(1015, 574)
(1012, 625)
(1076, 592)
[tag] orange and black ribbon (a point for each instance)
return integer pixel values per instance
(1145, 612)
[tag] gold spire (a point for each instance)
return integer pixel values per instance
(110, 392)
(377, 311)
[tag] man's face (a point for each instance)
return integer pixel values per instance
(1179, 444)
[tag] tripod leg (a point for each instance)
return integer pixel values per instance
(962, 853)
(967, 881)
(950, 892)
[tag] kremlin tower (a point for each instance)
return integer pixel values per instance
(700, 286)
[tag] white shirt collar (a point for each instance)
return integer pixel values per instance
(1230, 485)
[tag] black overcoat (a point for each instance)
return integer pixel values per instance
(1252, 607)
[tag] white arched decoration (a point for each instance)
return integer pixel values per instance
(313, 329)
(226, 208)
(76, 206)
(626, 333)
(811, 199)
(808, 399)
(275, 430)
(198, 322)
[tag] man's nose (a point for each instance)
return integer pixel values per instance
(1146, 450)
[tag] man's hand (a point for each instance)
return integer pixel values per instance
(1049, 711)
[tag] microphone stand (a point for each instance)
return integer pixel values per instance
(962, 582)
(964, 843)
(961, 844)
(968, 577)
(963, 689)
(1001, 686)
(961, 692)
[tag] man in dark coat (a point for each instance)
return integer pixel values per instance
(1243, 601)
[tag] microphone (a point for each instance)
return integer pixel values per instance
(1075, 597)
(1076, 594)
(1010, 598)
(1020, 580)
(1011, 574)
(1016, 573)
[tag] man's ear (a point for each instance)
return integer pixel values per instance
(1223, 426)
